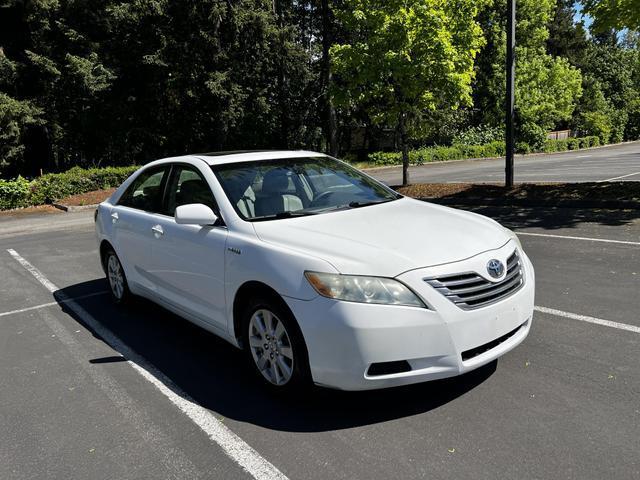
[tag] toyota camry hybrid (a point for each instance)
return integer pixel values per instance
(316, 270)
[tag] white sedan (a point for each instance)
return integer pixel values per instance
(317, 271)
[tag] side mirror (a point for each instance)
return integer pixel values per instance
(195, 214)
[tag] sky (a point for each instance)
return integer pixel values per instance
(580, 17)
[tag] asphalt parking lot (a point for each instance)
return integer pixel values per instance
(173, 401)
(617, 162)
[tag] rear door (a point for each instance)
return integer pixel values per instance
(132, 219)
(188, 260)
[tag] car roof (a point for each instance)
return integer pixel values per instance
(222, 158)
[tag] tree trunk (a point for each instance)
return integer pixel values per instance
(404, 145)
(330, 112)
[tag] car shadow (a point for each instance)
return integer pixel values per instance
(553, 218)
(216, 375)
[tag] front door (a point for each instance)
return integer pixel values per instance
(188, 260)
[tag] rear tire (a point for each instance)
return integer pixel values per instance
(118, 286)
(274, 346)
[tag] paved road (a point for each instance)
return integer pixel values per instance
(620, 162)
(562, 405)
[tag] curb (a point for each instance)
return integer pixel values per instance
(74, 208)
(525, 202)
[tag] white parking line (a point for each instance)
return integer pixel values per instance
(589, 239)
(50, 304)
(586, 318)
(236, 448)
(618, 178)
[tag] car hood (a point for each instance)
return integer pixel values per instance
(387, 239)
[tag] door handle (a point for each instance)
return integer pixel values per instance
(114, 217)
(157, 230)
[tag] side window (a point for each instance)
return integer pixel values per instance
(145, 193)
(187, 186)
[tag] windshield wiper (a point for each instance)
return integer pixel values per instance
(356, 204)
(277, 216)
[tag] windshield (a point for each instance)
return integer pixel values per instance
(293, 187)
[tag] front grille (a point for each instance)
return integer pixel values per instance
(470, 290)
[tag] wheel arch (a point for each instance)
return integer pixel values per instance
(252, 289)
(105, 245)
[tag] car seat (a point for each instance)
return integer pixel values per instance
(275, 196)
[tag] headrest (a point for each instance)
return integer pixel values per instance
(193, 187)
(276, 181)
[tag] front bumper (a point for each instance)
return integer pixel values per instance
(344, 339)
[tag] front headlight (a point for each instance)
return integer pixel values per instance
(515, 238)
(355, 288)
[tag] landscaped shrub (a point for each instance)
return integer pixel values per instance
(551, 146)
(573, 143)
(523, 147)
(385, 158)
(492, 149)
(55, 186)
(439, 154)
(14, 193)
(480, 135)
(590, 141)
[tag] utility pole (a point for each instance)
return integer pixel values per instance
(510, 98)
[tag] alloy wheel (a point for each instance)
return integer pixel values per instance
(116, 277)
(271, 347)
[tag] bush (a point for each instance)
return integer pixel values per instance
(590, 141)
(480, 135)
(55, 186)
(385, 158)
(439, 154)
(523, 147)
(573, 143)
(596, 124)
(551, 146)
(492, 149)
(14, 193)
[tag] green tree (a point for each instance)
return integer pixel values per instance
(547, 87)
(567, 38)
(406, 59)
(611, 90)
(15, 117)
(616, 14)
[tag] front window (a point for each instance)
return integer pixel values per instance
(145, 193)
(282, 188)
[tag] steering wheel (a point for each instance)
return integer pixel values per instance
(317, 202)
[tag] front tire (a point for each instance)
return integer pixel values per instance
(118, 286)
(274, 346)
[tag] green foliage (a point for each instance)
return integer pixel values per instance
(15, 117)
(462, 152)
(632, 131)
(406, 59)
(14, 193)
(119, 83)
(616, 14)
(547, 87)
(439, 154)
(478, 135)
(55, 186)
